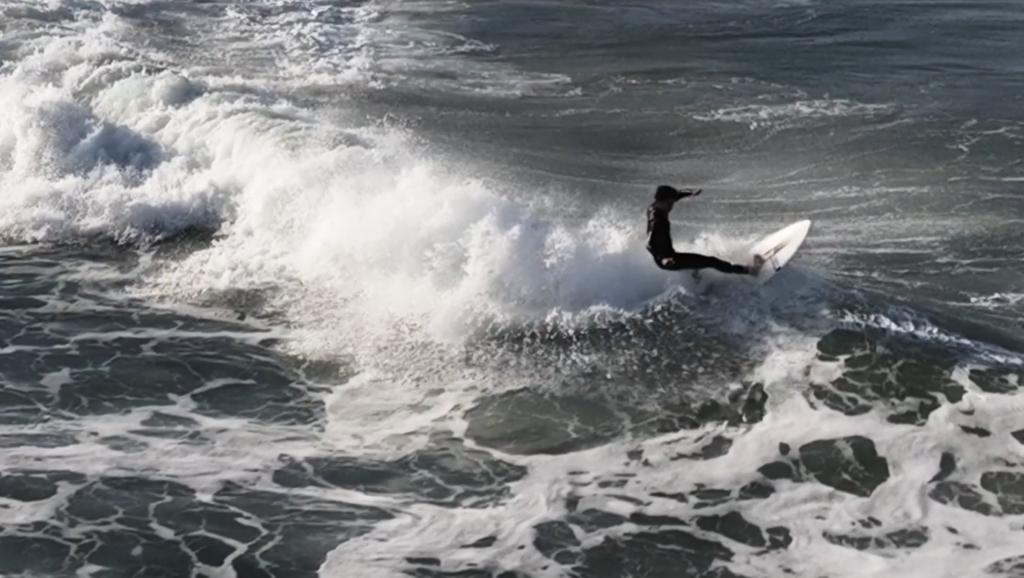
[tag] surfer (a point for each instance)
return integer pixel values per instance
(659, 238)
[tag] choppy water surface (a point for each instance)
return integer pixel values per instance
(318, 289)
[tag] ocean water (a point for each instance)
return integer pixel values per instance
(297, 288)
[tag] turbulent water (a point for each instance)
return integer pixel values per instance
(295, 288)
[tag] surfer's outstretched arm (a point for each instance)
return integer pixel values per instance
(677, 194)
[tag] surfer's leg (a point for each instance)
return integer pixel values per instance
(695, 261)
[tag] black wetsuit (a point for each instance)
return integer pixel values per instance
(659, 244)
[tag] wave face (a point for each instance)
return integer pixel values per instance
(301, 288)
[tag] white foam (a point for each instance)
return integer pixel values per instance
(69, 165)
(361, 225)
(380, 44)
(807, 509)
(900, 321)
(381, 251)
(787, 114)
(369, 413)
(997, 300)
(370, 246)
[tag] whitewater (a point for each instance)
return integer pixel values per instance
(309, 288)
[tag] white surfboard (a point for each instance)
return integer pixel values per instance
(779, 247)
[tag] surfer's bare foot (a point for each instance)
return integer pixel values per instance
(756, 267)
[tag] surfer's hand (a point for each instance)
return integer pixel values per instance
(690, 192)
(668, 261)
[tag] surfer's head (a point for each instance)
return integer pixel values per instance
(667, 193)
(667, 196)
